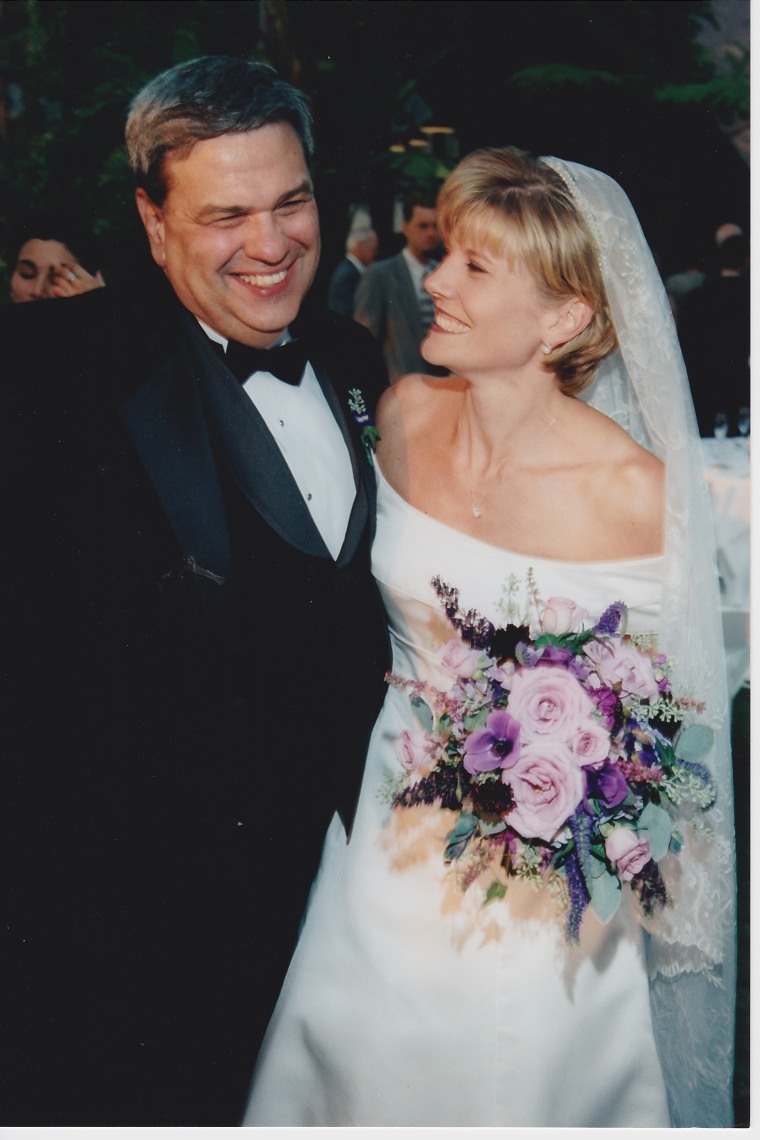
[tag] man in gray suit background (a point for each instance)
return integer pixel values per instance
(391, 300)
(361, 250)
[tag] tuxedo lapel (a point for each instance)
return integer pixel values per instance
(166, 423)
(192, 413)
(247, 449)
(359, 512)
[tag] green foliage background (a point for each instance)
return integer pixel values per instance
(620, 85)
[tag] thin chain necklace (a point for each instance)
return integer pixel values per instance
(478, 500)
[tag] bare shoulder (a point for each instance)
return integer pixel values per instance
(636, 467)
(415, 397)
(626, 484)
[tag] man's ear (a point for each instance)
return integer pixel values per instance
(571, 318)
(153, 220)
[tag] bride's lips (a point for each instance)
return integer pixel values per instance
(447, 324)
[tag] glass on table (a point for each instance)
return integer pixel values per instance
(743, 422)
(720, 426)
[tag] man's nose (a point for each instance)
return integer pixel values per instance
(263, 240)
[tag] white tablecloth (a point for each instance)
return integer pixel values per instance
(727, 471)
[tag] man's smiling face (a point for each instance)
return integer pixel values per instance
(238, 232)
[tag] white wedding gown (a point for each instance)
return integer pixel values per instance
(409, 1003)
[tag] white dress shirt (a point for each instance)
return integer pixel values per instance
(311, 442)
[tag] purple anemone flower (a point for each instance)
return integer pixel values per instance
(495, 746)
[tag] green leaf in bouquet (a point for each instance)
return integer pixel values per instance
(694, 743)
(457, 840)
(495, 891)
(476, 720)
(423, 712)
(603, 888)
(655, 825)
(492, 828)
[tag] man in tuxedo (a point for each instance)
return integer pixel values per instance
(391, 300)
(194, 648)
(361, 250)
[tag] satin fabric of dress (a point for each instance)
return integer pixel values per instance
(410, 1003)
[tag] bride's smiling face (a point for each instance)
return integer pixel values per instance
(489, 316)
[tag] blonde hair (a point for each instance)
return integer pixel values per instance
(506, 202)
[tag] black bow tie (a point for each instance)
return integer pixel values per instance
(286, 362)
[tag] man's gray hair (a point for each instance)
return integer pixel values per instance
(202, 99)
(359, 234)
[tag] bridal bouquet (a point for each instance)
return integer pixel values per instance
(564, 754)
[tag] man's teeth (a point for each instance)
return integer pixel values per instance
(448, 324)
(263, 280)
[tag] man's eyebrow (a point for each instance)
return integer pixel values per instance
(304, 187)
(214, 211)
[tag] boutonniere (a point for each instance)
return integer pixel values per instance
(363, 420)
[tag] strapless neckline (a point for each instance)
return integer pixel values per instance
(503, 552)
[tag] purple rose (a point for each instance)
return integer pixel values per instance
(495, 746)
(460, 658)
(414, 749)
(606, 784)
(562, 615)
(620, 663)
(627, 852)
(547, 786)
(591, 743)
(548, 701)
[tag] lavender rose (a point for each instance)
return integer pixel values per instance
(495, 746)
(628, 853)
(620, 663)
(591, 743)
(547, 786)
(548, 701)
(414, 749)
(562, 615)
(460, 658)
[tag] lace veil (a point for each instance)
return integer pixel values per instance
(644, 387)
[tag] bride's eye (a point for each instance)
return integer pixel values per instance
(473, 265)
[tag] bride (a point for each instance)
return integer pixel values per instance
(559, 460)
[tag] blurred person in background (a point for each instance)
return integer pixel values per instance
(714, 330)
(52, 257)
(391, 300)
(361, 251)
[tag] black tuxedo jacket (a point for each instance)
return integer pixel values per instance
(190, 684)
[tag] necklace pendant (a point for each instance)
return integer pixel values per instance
(476, 510)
